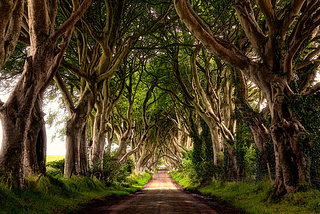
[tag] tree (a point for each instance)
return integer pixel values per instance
(282, 30)
(38, 71)
(125, 121)
(77, 83)
(124, 26)
(255, 120)
(205, 97)
(11, 20)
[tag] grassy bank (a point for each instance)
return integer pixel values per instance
(253, 197)
(61, 195)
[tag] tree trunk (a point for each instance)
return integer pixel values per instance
(262, 140)
(139, 164)
(230, 164)
(16, 112)
(109, 143)
(254, 121)
(271, 74)
(10, 26)
(83, 152)
(292, 166)
(97, 151)
(76, 136)
(97, 147)
(14, 135)
(73, 136)
(36, 142)
(216, 144)
(38, 71)
(124, 142)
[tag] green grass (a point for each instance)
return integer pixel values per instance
(60, 194)
(139, 179)
(253, 197)
(185, 181)
(55, 157)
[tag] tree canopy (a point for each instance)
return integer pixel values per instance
(165, 82)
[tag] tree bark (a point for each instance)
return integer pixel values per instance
(104, 108)
(205, 105)
(127, 133)
(10, 25)
(36, 142)
(272, 75)
(262, 140)
(16, 112)
(230, 164)
(292, 166)
(254, 121)
(97, 147)
(76, 136)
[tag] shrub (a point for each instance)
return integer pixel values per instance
(114, 172)
(55, 167)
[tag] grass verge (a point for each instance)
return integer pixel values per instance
(253, 196)
(61, 195)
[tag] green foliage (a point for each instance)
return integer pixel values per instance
(54, 157)
(307, 111)
(188, 165)
(202, 153)
(185, 180)
(245, 150)
(11, 71)
(139, 179)
(251, 196)
(55, 167)
(59, 194)
(114, 172)
(49, 195)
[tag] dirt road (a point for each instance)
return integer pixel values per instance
(162, 195)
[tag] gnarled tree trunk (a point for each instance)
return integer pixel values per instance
(10, 25)
(15, 114)
(98, 144)
(253, 120)
(36, 142)
(292, 166)
(277, 48)
(76, 161)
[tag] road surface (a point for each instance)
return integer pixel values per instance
(161, 195)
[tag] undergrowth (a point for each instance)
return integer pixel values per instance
(253, 196)
(58, 194)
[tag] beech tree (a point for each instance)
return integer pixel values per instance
(38, 71)
(254, 119)
(10, 26)
(125, 123)
(283, 29)
(125, 25)
(79, 93)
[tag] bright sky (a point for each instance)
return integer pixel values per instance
(54, 147)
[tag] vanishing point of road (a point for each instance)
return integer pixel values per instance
(162, 195)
